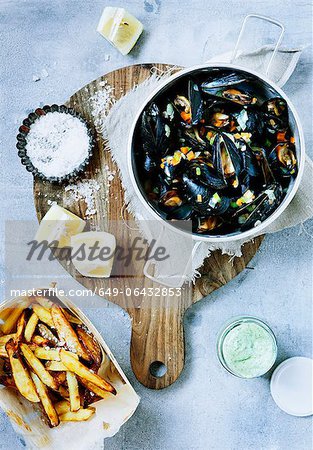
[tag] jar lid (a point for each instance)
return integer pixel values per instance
(291, 386)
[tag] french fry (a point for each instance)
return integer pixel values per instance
(60, 377)
(63, 391)
(20, 327)
(46, 333)
(66, 332)
(62, 407)
(95, 389)
(90, 344)
(4, 314)
(6, 338)
(73, 390)
(32, 346)
(11, 320)
(43, 314)
(38, 367)
(72, 318)
(79, 369)
(78, 416)
(30, 327)
(39, 340)
(45, 400)
(48, 355)
(56, 366)
(20, 374)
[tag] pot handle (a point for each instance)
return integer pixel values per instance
(175, 280)
(242, 31)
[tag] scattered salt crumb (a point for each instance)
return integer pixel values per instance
(35, 78)
(85, 190)
(51, 202)
(44, 73)
(101, 103)
(107, 57)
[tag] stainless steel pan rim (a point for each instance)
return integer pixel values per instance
(289, 196)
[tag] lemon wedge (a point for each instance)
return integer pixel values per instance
(120, 28)
(93, 253)
(58, 226)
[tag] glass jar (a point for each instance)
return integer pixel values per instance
(247, 347)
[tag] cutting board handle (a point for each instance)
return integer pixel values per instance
(157, 345)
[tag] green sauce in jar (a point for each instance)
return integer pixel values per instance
(247, 347)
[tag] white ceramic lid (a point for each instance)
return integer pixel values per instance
(291, 386)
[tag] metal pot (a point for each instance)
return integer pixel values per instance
(265, 85)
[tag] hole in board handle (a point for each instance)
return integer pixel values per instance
(157, 369)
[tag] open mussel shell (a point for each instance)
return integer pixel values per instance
(226, 159)
(189, 106)
(283, 159)
(259, 209)
(205, 225)
(21, 144)
(173, 206)
(203, 199)
(275, 115)
(277, 107)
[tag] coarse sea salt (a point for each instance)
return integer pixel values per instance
(57, 144)
(85, 190)
(100, 104)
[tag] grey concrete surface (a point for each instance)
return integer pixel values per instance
(206, 408)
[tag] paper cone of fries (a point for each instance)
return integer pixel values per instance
(60, 385)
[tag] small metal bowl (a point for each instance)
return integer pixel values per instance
(22, 143)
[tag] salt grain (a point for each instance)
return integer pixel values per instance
(85, 190)
(101, 103)
(57, 144)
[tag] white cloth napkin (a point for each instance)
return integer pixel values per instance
(180, 267)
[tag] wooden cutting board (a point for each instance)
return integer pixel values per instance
(157, 340)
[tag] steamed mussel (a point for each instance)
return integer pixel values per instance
(215, 150)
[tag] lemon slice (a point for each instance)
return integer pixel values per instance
(57, 227)
(93, 253)
(120, 28)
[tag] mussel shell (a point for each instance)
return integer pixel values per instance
(230, 79)
(149, 163)
(237, 96)
(275, 116)
(200, 170)
(276, 106)
(155, 139)
(250, 172)
(261, 158)
(182, 212)
(205, 225)
(200, 196)
(233, 154)
(196, 102)
(260, 209)
(283, 159)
